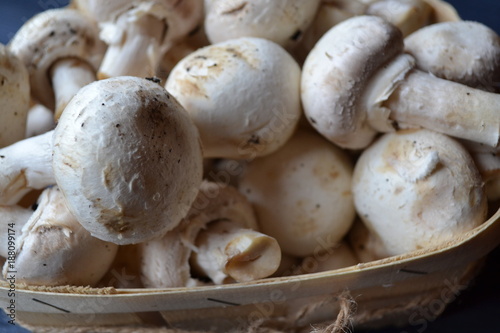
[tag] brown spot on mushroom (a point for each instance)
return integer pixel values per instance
(236, 9)
(191, 88)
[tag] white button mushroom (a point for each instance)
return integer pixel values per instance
(281, 21)
(24, 166)
(54, 249)
(139, 32)
(243, 95)
(61, 49)
(127, 158)
(218, 239)
(14, 96)
(465, 52)
(356, 81)
(416, 189)
(302, 194)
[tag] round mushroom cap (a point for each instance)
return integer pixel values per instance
(15, 97)
(52, 35)
(281, 21)
(336, 72)
(242, 94)
(302, 194)
(214, 202)
(127, 158)
(54, 249)
(416, 189)
(463, 51)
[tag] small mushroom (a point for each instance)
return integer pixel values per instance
(62, 51)
(357, 82)
(13, 218)
(281, 21)
(139, 32)
(14, 96)
(266, 81)
(417, 189)
(218, 239)
(54, 249)
(487, 160)
(25, 166)
(128, 159)
(465, 52)
(302, 194)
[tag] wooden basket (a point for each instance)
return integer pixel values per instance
(390, 291)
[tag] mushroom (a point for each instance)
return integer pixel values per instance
(302, 194)
(62, 51)
(336, 257)
(217, 239)
(139, 32)
(54, 249)
(357, 82)
(25, 166)
(416, 189)
(465, 52)
(13, 218)
(127, 157)
(281, 21)
(266, 81)
(15, 97)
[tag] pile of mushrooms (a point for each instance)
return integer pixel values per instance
(195, 142)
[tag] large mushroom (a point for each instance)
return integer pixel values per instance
(15, 97)
(281, 21)
(243, 95)
(54, 249)
(62, 51)
(218, 239)
(302, 194)
(357, 82)
(128, 159)
(417, 189)
(139, 32)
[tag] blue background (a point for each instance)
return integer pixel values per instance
(476, 310)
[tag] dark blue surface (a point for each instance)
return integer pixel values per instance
(476, 309)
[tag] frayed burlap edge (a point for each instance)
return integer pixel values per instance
(80, 290)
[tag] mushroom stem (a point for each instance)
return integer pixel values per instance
(447, 107)
(24, 166)
(68, 76)
(227, 250)
(136, 50)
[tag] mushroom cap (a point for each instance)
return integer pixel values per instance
(52, 35)
(181, 17)
(165, 260)
(337, 70)
(54, 249)
(463, 51)
(127, 158)
(302, 194)
(15, 97)
(266, 81)
(281, 21)
(416, 189)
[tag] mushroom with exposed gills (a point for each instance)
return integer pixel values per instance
(217, 239)
(281, 21)
(139, 32)
(302, 194)
(416, 189)
(266, 80)
(357, 82)
(465, 52)
(15, 97)
(128, 159)
(25, 166)
(62, 51)
(54, 249)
